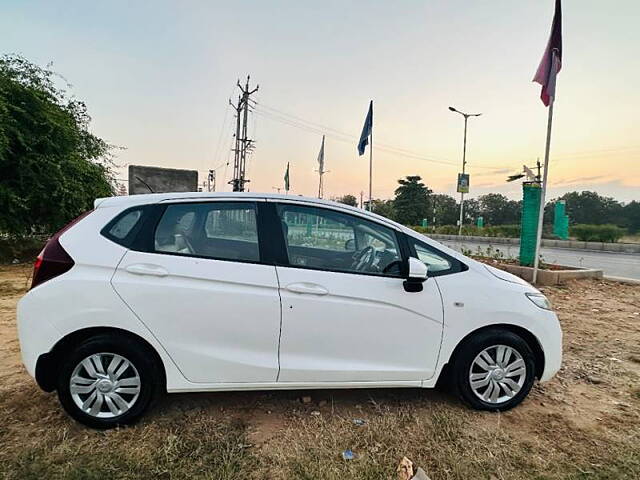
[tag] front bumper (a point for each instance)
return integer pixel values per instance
(550, 337)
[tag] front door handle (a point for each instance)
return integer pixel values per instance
(309, 288)
(147, 269)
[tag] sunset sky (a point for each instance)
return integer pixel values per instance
(157, 77)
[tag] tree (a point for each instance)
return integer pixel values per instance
(631, 212)
(411, 204)
(383, 207)
(348, 200)
(589, 207)
(496, 209)
(471, 211)
(52, 168)
(447, 210)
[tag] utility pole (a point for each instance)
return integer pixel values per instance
(242, 144)
(434, 213)
(321, 171)
(211, 181)
(464, 160)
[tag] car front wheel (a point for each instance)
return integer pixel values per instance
(107, 381)
(494, 370)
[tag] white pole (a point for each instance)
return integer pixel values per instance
(544, 190)
(464, 162)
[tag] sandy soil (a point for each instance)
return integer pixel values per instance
(585, 423)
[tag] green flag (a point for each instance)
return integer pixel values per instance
(286, 179)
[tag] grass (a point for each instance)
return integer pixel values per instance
(569, 428)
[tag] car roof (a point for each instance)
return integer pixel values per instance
(126, 201)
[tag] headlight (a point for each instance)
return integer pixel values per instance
(540, 300)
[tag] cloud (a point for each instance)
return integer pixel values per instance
(502, 171)
(572, 181)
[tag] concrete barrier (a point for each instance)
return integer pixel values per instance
(572, 244)
(551, 277)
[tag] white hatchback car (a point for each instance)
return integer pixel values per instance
(186, 292)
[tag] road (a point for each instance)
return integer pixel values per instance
(612, 264)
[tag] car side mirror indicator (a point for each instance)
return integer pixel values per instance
(418, 273)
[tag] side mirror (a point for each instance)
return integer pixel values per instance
(418, 272)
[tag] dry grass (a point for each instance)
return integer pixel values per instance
(585, 424)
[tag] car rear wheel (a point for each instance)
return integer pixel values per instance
(108, 380)
(494, 370)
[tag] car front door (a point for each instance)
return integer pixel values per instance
(203, 290)
(346, 316)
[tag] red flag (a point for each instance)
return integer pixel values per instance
(551, 60)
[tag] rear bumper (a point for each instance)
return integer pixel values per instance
(36, 334)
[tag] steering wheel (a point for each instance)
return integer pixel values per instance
(363, 259)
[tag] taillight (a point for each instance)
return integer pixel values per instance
(53, 260)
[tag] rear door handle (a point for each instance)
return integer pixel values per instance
(147, 269)
(308, 288)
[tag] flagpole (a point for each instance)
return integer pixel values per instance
(544, 189)
(370, 161)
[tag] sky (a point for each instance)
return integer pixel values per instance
(157, 77)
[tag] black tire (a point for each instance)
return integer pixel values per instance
(139, 357)
(468, 352)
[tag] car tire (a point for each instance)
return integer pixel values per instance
(113, 377)
(494, 370)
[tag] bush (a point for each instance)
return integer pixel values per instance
(597, 233)
(21, 248)
(510, 231)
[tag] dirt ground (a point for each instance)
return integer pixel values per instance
(584, 424)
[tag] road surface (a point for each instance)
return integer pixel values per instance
(612, 264)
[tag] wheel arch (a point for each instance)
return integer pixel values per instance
(525, 334)
(48, 364)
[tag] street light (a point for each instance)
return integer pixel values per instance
(464, 158)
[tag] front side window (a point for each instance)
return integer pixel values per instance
(329, 240)
(219, 230)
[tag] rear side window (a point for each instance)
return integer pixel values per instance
(123, 228)
(124, 225)
(217, 230)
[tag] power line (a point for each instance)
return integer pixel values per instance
(313, 127)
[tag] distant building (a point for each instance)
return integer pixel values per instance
(161, 180)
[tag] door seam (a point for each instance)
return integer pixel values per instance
(280, 332)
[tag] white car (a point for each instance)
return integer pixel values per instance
(186, 292)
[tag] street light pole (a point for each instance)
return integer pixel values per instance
(464, 160)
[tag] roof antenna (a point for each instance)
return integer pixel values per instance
(145, 184)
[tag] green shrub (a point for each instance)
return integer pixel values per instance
(21, 248)
(597, 233)
(511, 231)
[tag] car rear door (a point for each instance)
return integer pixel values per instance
(202, 286)
(344, 318)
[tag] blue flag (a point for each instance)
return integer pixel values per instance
(366, 130)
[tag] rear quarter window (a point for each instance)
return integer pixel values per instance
(124, 227)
